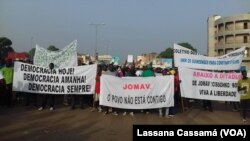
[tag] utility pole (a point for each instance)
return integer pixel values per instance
(96, 38)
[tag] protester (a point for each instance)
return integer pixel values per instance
(111, 71)
(51, 97)
(104, 108)
(138, 72)
(148, 72)
(243, 88)
(172, 71)
(173, 110)
(97, 89)
(30, 97)
(87, 99)
(129, 72)
(7, 73)
(166, 109)
(2, 84)
(75, 97)
(207, 105)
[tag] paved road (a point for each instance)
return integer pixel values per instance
(63, 124)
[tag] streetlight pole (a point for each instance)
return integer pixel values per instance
(107, 47)
(96, 38)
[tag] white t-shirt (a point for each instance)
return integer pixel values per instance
(138, 72)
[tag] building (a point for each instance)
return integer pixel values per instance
(226, 34)
(84, 58)
(104, 59)
(145, 59)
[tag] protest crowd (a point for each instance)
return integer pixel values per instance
(126, 88)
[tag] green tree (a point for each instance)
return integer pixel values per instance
(52, 48)
(5, 47)
(32, 53)
(187, 45)
(5, 42)
(168, 53)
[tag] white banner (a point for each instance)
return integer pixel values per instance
(130, 59)
(197, 84)
(35, 79)
(67, 57)
(137, 92)
(184, 57)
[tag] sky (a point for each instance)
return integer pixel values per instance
(132, 27)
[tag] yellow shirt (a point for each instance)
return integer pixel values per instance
(172, 72)
(7, 74)
(244, 83)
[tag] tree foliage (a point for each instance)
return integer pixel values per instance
(168, 53)
(5, 47)
(188, 46)
(52, 48)
(32, 53)
(5, 42)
